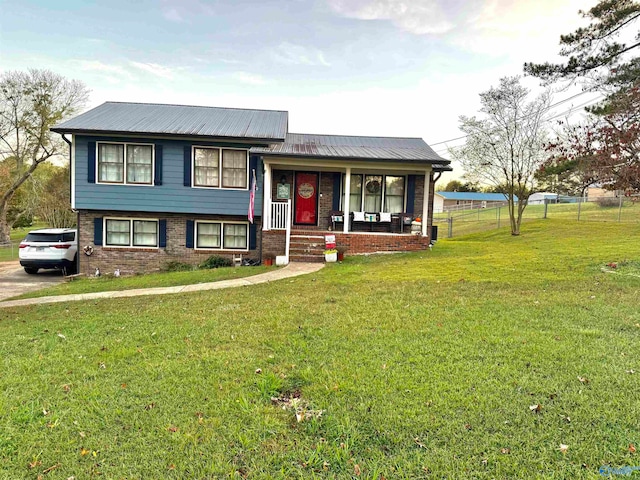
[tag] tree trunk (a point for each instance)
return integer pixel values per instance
(5, 229)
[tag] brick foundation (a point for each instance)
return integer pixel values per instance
(274, 241)
(140, 260)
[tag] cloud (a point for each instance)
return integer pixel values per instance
(172, 15)
(100, 67)
(249, 78)
(290, 54)
(420, 17)
(154, 69)
(183, 10)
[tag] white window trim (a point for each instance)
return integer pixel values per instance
(131, 245)
(383, 186)
(220, 149)
(221, 248)
(124, 177)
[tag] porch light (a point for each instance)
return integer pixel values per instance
(283, 179)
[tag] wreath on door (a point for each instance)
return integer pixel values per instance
(373, 187)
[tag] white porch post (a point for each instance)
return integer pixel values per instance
(347, 194)
(425, 201)
(266, 203)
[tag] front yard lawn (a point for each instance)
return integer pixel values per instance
(163, 279)
(490, 357)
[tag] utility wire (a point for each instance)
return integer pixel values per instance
(570, 111)
(547, 109)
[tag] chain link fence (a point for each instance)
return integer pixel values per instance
(603, 209)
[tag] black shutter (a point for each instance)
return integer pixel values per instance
(91, 162)
(252, 236)
(162, 233)
(337, 180)
(97, 231)
(187, 166)
(253, 165)
(157, 173)
(189, 234)
(411, 193)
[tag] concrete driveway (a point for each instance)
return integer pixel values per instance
(14, 281)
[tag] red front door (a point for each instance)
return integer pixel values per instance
(306, 199)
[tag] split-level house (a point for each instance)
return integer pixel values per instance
(154, 184)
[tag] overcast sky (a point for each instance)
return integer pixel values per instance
(356, 67)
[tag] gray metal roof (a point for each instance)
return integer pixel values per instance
(351, 147)
(184, 120)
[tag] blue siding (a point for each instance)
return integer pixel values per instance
(170, 197)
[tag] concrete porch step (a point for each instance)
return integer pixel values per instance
(310, 258)
(306, 237)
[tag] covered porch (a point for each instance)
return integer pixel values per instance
(373, 198)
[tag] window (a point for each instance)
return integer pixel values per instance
(394, 194)
(206, 167)
(131, 233)
(234, 169)
(355, 195)
(222, 235)
(235, 236)
(220, 168)
(137, 169)
(208, 235)
(370, 193)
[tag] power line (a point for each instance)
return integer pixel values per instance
(569, 111)
(546, 110)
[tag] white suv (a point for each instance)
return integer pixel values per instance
(50, 248)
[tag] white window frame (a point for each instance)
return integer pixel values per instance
(221, 248)
(220, 163)
(131, 245)
(124, 172)
(383, 186)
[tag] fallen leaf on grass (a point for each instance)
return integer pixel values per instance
(535, 408)
(35, 463)
(563, 448)
(62, 336)
(102, 365)
(45, 412)
(173, 429)
(419, 443)
(258, 371)
(171, 467)
(150, 406)
(82, 434)
(66, 388)
(84, 452)
(505, 451)
(583, 379)
(356, 470)
(630, 372)
(123, 385)
(632, 448)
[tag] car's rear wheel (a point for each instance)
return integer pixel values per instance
(31, 270)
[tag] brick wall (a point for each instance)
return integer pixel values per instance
(274, 242)
(138, 260)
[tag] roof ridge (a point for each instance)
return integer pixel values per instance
(194, 106)
(355, 136)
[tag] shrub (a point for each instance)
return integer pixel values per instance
(178, 267)
(215, 261)
(608, 201)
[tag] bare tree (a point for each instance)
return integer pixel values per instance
(505, 147)
(30, 104)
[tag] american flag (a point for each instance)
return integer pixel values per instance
(252, 196)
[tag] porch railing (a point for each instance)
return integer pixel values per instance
(279, 215)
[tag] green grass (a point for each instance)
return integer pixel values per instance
(424, 365)
(17, 235)
(478, 220)
(164, 279)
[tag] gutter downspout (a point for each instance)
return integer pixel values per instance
(68, 142)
